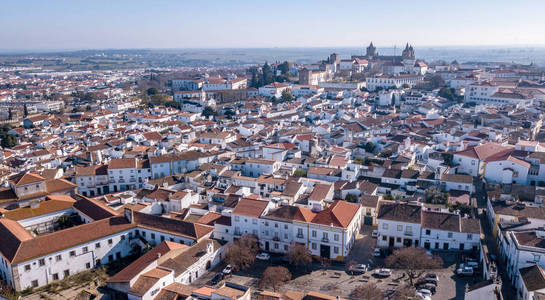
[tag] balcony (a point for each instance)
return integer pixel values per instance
(300, 236)
(325, 240)
(408, 233)
(276, 239)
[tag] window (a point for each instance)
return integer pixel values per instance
(97, 245)
(254, 221)
(66, 273)
(237, 218)
(27, 267)
(384, 226)
(384, 238)
(313, 246)
(300, 232)
(58, 257)
(34, 283)
(122, 237)
(469, 236)
(275, 245)
(73, 253)
(285, 247)
(336, 237)
(285, 226)
(398, 240)
(536, 257)
(85, 250)
(110, 241)
(450, 234)
(336, 250)
(428, 232)
(41, 262)
(162, 238)
(324, 236)
(56, 276)
(314, 233)
(153, 236)
(88, 265)
(399, 227)
(408, 228)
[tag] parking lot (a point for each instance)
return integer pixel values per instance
(336, 281)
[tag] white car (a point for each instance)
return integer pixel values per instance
(465, 271)
(263, 256)
(359, 268)
(383, 272)
(377, 252)
(228, 269)
(374, 233)
(424, 292)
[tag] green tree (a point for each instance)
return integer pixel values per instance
(436, 81)
(369, 147)
(9, 141)
(447, 93)
(300, 173)
(151, 91)
(287, 96)
(267, 74)
(351, 198)
(208, 111)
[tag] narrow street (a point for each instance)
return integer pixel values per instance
(508, 290)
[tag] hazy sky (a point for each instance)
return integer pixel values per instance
(75, 24)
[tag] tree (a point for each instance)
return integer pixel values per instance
(436, 81)
(267, 74)
(287, 96)
(274, 277)
(241, 253)
(299, 255)
(152, 91)
(25, 111)
(10, 114)
(300, 173)
(367, 291)
(447, 93)
(351, 198)
(405, 86)
(208, 111)
(412, 260)
(435, 196)
(369, 147)
(8, 140)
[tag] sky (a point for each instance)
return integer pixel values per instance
(99, 24)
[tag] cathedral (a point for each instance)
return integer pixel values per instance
(372, 54)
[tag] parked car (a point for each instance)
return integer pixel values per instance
(377, 252)
(421, 296)
(383, 272)
(359, 268)
(374, 233)
(432, 276)
(424, 292)
(428, 286)
(465, 271)
(263, 256)
(217, 278)
(227, 270)
(469, 264)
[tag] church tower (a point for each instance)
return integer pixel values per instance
(408, 52)
(371, 51)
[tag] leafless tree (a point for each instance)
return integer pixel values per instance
(241, 253)
(299, 255)
(274, 277)
(413, 260)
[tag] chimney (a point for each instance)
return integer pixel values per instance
(129, 215)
